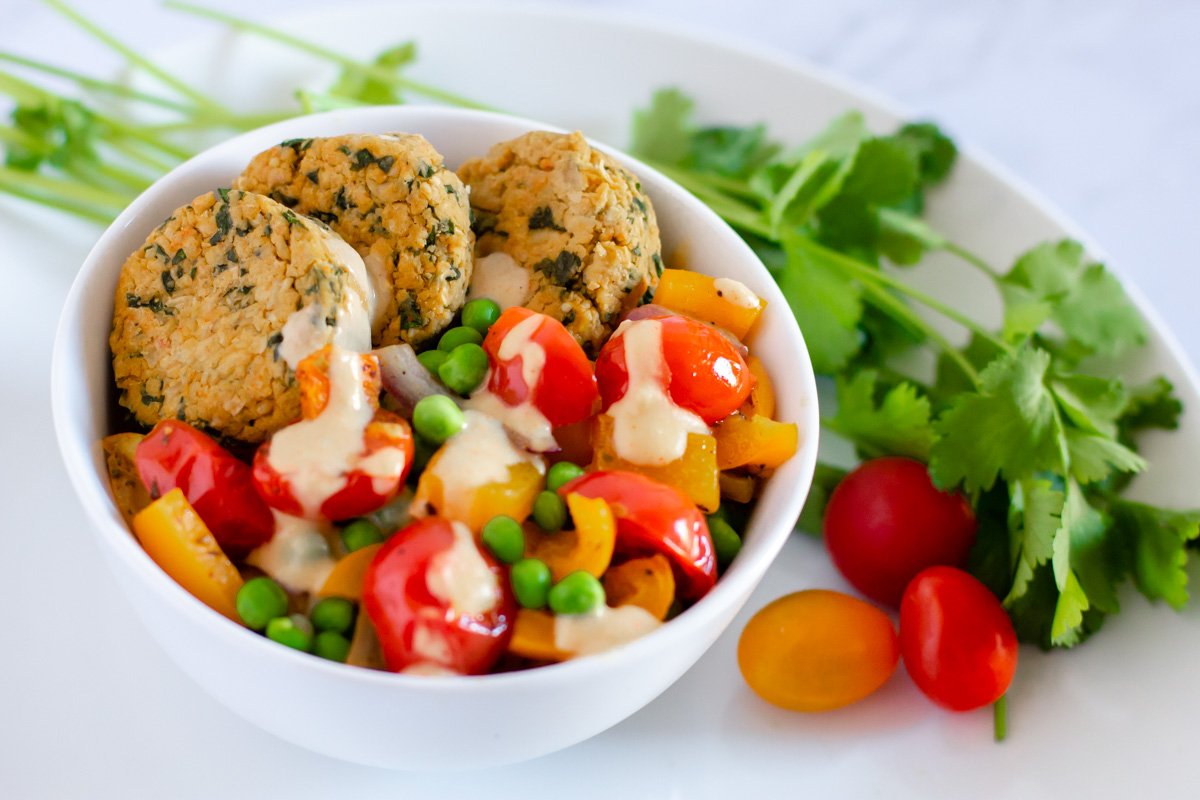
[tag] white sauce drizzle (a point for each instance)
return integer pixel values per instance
(297, 555)
(430, 645)
(648, 428)
(316, 454)
(479, 454)
(461, 578)
(429, 669)
(380, 281)
(736, 292)
(602, 629)
(499, 277)
(525, 419)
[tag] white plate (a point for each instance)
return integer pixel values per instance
(1110, 719)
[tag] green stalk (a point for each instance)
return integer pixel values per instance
(732, 211)
(1000, 718)
(19, 137)
(133, 56)
(370, 70)
(57, 202)
(731, 186)
(135, 154)
(97, 85)
(866, 448)
(205, 122)
(68, 189)
(973, 260)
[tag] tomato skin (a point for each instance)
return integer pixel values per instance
(216, 483)
(817, 650)
(566, 392)
(362, 493)
(398, 600)
(653, 517)
(705, 373)
(957, 640)
(886, 521)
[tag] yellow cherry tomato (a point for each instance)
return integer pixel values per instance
(817, 650)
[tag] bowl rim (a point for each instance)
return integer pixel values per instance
(109, 527)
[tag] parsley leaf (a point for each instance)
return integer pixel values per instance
(898, 425)
(827, 307)
(1035, 518)
(1155, 540)
(1151, 405)
(1094, 457)
(661, 132)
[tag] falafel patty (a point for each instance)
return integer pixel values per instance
(217, 303)
(576, 219)
(393, 200)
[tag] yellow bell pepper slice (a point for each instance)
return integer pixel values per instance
(695, 474)
(173, 534)
(128, 490)
(738, 488)
(589, 547)
(697, 296)
(365, 650)
(346, 579)
(761, 402)
(645, 582)
(533, 636)
(513, 498)
(754, 442)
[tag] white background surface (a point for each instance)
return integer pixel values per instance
(1094, 103)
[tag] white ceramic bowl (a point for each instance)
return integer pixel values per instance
(378, 718)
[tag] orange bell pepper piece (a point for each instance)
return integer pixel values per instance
(173, 534)
(589, 547)
(695, 474)
(738, 488)
(755, 442)
(533, 636)
(645, 582)
(346, 579)
(128, 490)
(696, 295)
(761, 402)
(513, 498)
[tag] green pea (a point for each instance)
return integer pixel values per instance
(333, 614)
(578, 593)
(461, 335)
(562, 473)
(549, 511)
(259, 601)
(464, 369)
(530, 579)
(331, 645)
(504, 537)
(480, 314)
(360, 533)
(432, 359)
(294, 631)
(726, 541)
(437, 418)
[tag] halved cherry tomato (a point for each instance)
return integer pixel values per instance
(411, 590)
(655, 518)
(565, 391)
(374, 481)
(957, 640)
(886, 521)
(817, 650)
(705, 372)
(216, 484)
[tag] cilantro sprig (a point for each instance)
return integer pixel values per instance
(1022, 419)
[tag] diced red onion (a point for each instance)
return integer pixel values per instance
(405, 378)
(652, 311)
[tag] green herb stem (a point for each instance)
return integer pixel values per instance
(133, 56)
(68, 189)
(94, 84)
(974, 260)
(866, 448)
(370, 70)
(730, 186)
(735, 213)
(56, 201)
(204, 121)
(1000, 718)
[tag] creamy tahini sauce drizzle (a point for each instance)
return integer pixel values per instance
(315, 454)
(602, 629)
(500, 278)
(461, 578)
(297, 555)
(648, 428)
(306, 330)
(525, 419)
(379, 278)
(479, 454)
(736, 292)
(429, 669)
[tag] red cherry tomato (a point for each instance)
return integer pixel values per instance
(566, 390)
(364, 491)
(653, 517)
(415, 625)
(957, 641)
(886, 521)
(217, 485)
(704, 371)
